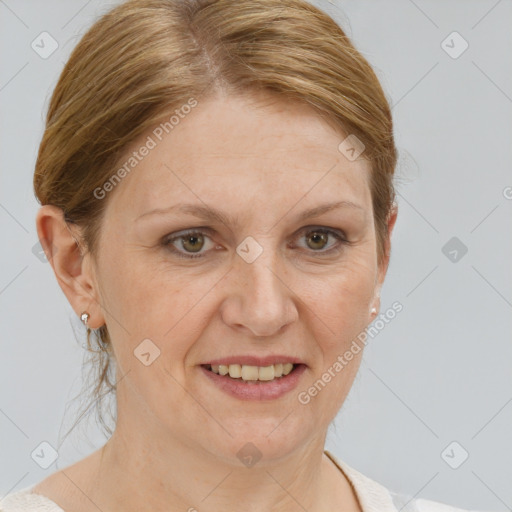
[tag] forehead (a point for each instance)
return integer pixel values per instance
(256, 147)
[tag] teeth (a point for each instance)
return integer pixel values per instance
(248, 372)
(235, 371)
(253, 373)
(287, 368)
(265, 372)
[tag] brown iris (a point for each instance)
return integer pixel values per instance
(193, 242)
(318, 238)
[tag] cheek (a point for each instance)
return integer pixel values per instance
(337, 314)
(142, 302)
(137, 295)
(339, 302)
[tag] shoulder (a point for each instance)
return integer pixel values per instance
(25, 500)
(55, 493)
(374, 497)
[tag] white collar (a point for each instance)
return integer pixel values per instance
(372, 496)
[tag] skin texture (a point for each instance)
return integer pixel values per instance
(177, 435)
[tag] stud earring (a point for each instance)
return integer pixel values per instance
(373, 311)
(84, 317)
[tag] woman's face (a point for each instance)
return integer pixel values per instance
(258, 283)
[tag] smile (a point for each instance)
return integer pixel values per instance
(247, 382)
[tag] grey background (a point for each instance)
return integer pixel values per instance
(439, 372)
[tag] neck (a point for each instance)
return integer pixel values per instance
(136, 473)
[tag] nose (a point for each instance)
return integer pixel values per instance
(259, 301)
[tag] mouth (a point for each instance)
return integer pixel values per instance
(249, 382)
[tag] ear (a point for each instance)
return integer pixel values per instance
(383, 267)
(71, 264)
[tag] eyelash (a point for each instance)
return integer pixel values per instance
(167, 242)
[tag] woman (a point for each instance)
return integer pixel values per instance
(216, 182)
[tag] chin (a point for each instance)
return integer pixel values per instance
(263, 441)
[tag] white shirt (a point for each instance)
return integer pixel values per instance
(372, 496)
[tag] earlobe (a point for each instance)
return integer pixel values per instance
(375, 307)
(68, 259)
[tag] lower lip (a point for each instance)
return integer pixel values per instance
(256, 390)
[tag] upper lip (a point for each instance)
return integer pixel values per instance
(249, 360)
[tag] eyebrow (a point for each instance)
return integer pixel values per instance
(209, 213)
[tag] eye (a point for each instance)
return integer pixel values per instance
(189, 244)
(317, 239)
